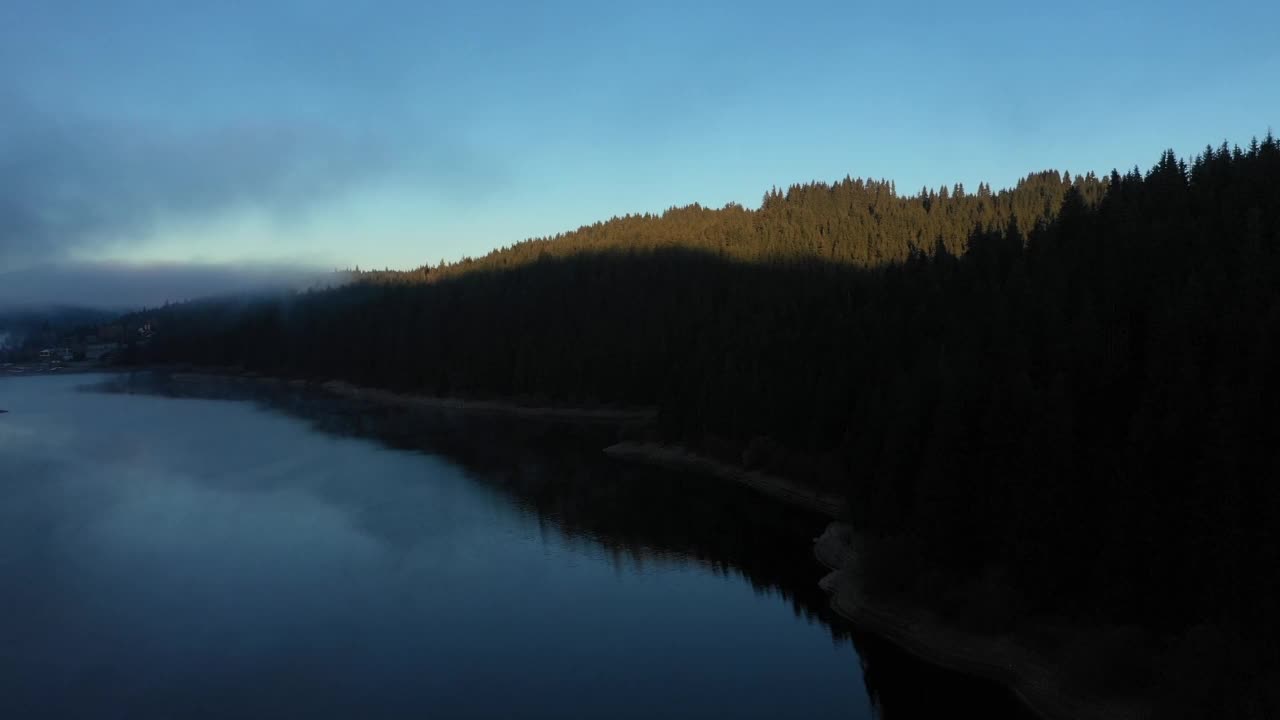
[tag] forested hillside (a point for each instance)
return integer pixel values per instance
(1070, 385)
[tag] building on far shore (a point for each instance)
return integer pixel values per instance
(100, 351)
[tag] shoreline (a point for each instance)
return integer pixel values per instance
(992, 658)
(20, 371)
(997, 658)
(678, 457)
(601, 415)
(339, 388)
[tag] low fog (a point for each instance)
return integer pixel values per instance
(124, 286)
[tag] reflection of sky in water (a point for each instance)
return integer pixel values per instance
(202, 558)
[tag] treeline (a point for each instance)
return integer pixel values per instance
(606, 313)
(1069, 386)
(863, 223)
(24, 331)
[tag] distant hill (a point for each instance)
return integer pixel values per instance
(1054, 402)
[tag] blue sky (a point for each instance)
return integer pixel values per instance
(396, 133)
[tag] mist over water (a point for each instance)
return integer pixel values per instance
(122, 286)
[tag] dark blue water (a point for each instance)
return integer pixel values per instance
(288, 554)
(184, 558)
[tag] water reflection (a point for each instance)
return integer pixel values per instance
(211, 559)
(637, 515)
(555, 472)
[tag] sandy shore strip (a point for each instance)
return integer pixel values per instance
(997, 658)
(677, 457)
(603, 415)
(590, 415)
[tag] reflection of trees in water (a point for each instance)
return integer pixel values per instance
(637, 515)
(555, 472)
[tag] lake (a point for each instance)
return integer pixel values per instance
(285, 555)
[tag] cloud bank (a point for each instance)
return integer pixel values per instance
(115, 286)
(119, 121)
(67, 184)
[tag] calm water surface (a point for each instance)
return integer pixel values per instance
(187, 558)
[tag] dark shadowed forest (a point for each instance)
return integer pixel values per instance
(1066, 390)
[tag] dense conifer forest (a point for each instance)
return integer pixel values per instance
(1067, 390)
